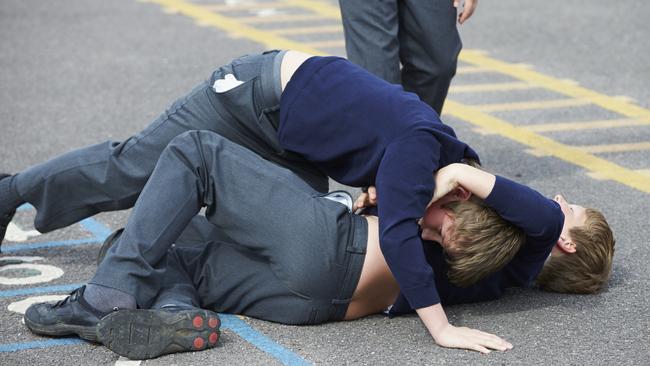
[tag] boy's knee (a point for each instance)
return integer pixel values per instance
(196, 140)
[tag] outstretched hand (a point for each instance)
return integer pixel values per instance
(471, 339)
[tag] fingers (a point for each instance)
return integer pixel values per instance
(493, 342)
(360, 202)
(468, 9)
(456, 3)
(372, 195)
(481, 349)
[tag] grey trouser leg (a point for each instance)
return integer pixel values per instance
(109, 176)
(422, 35)
(262, 209)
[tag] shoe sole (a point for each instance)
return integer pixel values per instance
(143, 334)
(88, 333)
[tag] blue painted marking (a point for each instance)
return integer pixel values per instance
(40, 290)
(260, 341)
(100, 232)
(13, 347)
(25, 207)
(51, 244)
(96, 228)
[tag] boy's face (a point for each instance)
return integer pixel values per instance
(574, 216)
(437, 224)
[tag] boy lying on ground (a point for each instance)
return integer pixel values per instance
(283, 252)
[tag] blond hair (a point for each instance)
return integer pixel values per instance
(587, 270)
(481, 241)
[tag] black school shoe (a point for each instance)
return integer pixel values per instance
(149, 333)
(108, 243)
(72, 315)
(5, 219)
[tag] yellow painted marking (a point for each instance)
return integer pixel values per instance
(631, 146)
(233, 26)
(326, 43)
(308, 30)
(597, 175)
(538, 142)
(462, 70)
(618, 105)
(586, 125)
(247, 6)
(318, 7)
(470, 114)
(490, 87)
(278, 18)
(541, 104)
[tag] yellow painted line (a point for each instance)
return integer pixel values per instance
(308, 30)
(490, 87)
(278, 18)
(587, 125)
(326, 43)
(538, 142)
(541, 104)
(598, 176)
(247, 6)
(232, 26)
(618, 105)
(632, 146)
(318, 7)
(463, 70)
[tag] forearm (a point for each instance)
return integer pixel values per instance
(434, 319)
(477, 181)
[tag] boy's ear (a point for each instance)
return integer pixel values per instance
(462, 194)
(566, 245)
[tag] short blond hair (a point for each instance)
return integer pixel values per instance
(481, 241)
(587, 270)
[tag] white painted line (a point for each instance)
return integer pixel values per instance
(16, 234)
(46, 273)
(123, 361)
(21, 306)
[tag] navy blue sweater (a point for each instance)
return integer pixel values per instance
(540, 218)
(360, 131)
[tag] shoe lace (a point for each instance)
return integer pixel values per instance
(67, 298)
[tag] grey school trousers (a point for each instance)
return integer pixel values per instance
(421, 34)
(279, 250)
(109, 176)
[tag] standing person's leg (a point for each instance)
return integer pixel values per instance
(429, 48)
(110, 175)
(371, 29)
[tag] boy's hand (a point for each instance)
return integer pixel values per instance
(472, 339)
(446, 181)
(366, 199)
(468, 9)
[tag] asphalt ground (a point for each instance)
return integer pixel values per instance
(75, 72)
